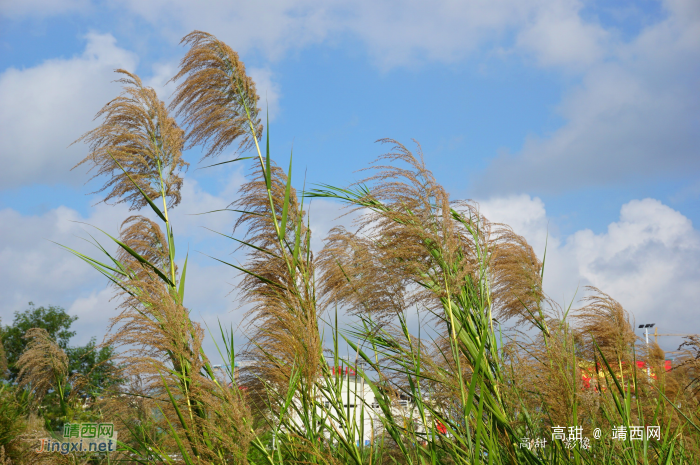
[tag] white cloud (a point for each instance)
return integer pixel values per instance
(647, 260)
(527, 217)
(159, 80)
(46, 107)
(18, 8)
(558, 36)
(268, 90)
(34, 268)
(399, 33)
(634, 114)
(396, 33)
(648, 257)
(273, 27)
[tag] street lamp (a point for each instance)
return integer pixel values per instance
(646, 334)
(646, 330)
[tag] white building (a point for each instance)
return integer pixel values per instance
(347, 400)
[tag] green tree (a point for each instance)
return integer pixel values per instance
(87, 360)
(53, 319)
(95, 364)
(3, 357)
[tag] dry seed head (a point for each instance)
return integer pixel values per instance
(283, 318)
(146, 238)
(355, 275)
(138, 134)
(153, 326)
(161, 342)
(516, 284)
(418, 219)
(375, 269)
(214, 94)
(552, 367)
(42, 364)
(686, 368)
(604, 320)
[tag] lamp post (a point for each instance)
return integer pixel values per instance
(646, 334)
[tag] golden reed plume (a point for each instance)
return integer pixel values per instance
(43, 364)
(214, 95)
(375, 269)
(139, 140)
(284, 314)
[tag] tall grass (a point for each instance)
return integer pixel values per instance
(464, 388)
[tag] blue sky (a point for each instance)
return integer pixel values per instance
(573, 120)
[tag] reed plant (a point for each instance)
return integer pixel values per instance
(465, 387)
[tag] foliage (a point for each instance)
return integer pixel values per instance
(466, 389)
(91, 361)
(96, 364)
(13, 410)
(53, 319)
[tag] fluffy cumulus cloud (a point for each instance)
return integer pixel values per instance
(396, 33)
(33, 267)
(47, 107)
(558, 36)
(647, 260)
(630, 112)
(633, 115)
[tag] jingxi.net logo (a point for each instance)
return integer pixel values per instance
(82, 437)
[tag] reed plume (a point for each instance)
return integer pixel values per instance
(443, 256)
(283, 311)
(217, 100)
(137, 147)
(355, 275)
(162, 345)
(516, 279)
(394, 242)
(373, 269)
(43, 365)
(160, 341)
(145, 237)
(549, 362)
(162, 349)
(686, 373)
(603, 321)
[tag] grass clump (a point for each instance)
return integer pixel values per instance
(464, 388)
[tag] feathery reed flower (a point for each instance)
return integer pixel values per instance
(137, 144)
(43, 365)
(604, 320)
(145, 237)
(284, 314)
(215, 96)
